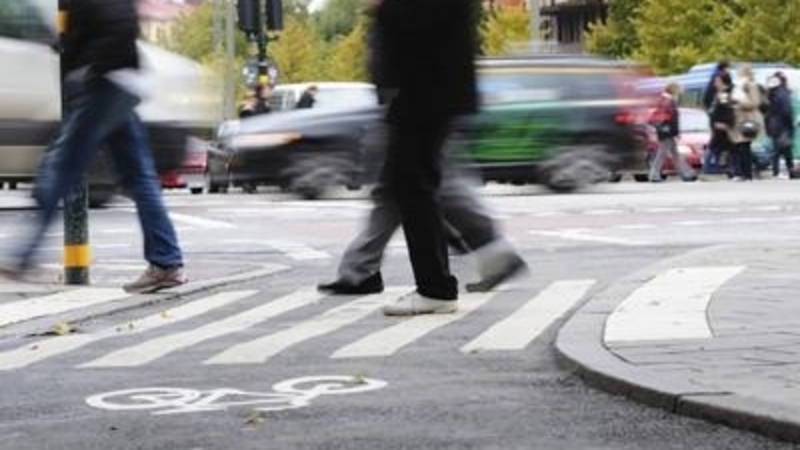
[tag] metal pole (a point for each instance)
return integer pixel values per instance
(536, 23)
(77, 253)
(230, 41)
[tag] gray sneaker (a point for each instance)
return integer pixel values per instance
(155, 278)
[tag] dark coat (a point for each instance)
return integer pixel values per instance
(780, 114)
(101, 35)
(667, 117)
(424, 50)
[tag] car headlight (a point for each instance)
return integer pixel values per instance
(263, 140)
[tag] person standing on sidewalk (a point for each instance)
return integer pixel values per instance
(427, 54)
(779, 121)
(102, 87)
(666, 119)
(748, 122)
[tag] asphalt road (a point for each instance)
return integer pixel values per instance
(269, 364)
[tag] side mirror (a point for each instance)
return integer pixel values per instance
(248, 15)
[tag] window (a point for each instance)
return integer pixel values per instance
(20, 20)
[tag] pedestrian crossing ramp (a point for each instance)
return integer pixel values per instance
(256, 331)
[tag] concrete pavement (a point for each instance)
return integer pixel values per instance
(713, 334)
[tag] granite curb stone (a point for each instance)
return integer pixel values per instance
(581, 349)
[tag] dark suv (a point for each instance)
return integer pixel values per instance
(565, 122)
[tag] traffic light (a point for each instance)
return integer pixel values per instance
(274, 15)
(546, 28)
(249, 13)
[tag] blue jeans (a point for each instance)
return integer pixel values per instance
(101, 115)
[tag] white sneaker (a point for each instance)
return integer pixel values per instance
(416, 303)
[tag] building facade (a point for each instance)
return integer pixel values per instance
(570, 19)
(156, 17)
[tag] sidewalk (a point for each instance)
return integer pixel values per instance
(713, 334)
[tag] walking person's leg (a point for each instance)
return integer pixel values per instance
(658, 161)
(412, 174)
(745, 160)
(359, 269)
(94, 110)
(129, 149)
(686, 172)
(496, 258)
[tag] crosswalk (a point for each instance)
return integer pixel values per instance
(231, 314)
(256, 326)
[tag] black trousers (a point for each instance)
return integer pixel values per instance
(412, 174)
(785, 152)
(744, 160)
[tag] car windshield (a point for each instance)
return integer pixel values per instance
(694, 121)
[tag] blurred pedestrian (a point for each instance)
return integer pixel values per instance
(467, 218)
(102, 88)
(748, 122)
(666, 119)
(427, 59)
(718, 100)
(779, 122)
(307, 98)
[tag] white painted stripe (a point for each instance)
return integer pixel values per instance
(581, 235)
(41, 350)
(693, 223)
(749, 220)
(670, 306)
(392, 339)
(602, 212)
(664, 210)
(153, 349)
(57, 303)
(295, 250)
(129, 230)
(637, 226)
(201, 222)
(519, 329)
(262, 349)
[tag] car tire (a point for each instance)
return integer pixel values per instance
(196, 190)
(311, 176)
(575, 168)
(100, 195)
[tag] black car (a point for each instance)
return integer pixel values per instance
(565, 122)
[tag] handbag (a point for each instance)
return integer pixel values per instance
(749, 129)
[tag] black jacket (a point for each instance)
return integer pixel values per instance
(425, 51)
(780, 114)
(666, 117)
(101, 35)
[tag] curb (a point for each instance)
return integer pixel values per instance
(579, 349)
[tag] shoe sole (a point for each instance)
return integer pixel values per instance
(154, 288)
(519, 267)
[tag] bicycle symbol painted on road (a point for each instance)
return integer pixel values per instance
(288, 394)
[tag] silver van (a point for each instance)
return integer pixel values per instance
(182, 103)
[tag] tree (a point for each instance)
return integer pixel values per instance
(502, 28)
(337, 18)
(765, 30)
(348, 56)
(673, 35)
(616, 37)
(298, 52)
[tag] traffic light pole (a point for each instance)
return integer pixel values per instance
(76, 205)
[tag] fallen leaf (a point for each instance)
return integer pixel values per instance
(63, 328)
(255, 417)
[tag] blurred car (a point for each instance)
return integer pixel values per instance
(330, 94)
(565, 122)
(181, 104)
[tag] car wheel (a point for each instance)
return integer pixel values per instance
(309, 177)
(615, 178)
(196, 190)
(575, 168)
(12, 185)
(641, 177)
(100, 195)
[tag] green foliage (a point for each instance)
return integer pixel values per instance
(676, 34)
(617, 36)
(767, 30)
(298, 52)
(337, 18)
(503, 28)
(348, 55)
